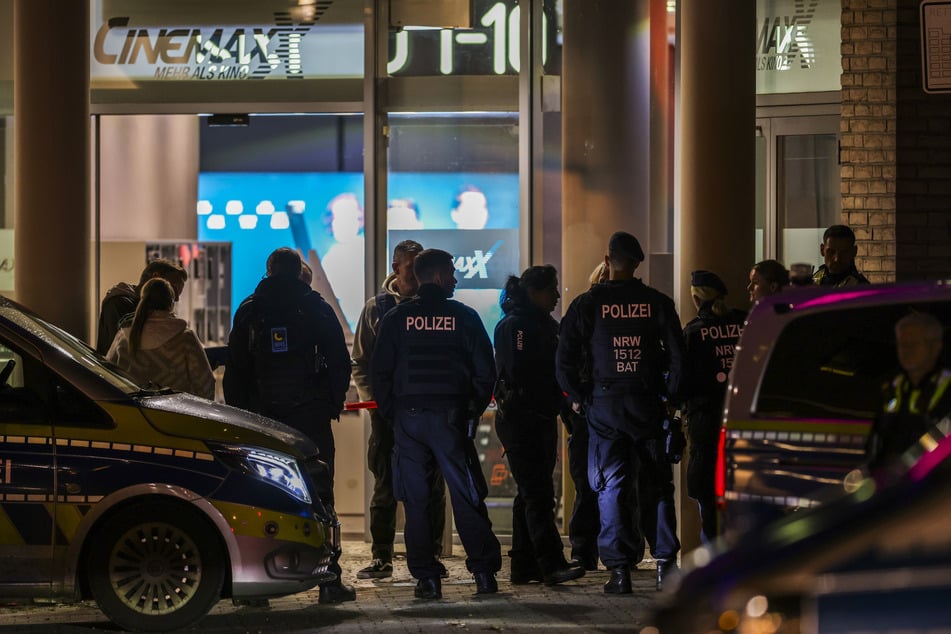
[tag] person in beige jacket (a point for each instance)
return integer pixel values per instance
(159, 348)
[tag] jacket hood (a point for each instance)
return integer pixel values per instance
(389, 287)
(281, 292)
(161, 326)
(123, 289)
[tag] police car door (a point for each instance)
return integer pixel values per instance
(27, 461)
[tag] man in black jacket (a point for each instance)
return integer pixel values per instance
(630, 334)
(288, 360)
(432, 375)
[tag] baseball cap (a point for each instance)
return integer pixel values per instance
(709, 279)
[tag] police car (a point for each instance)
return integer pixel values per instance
(805, 385)
(153, 503)
(875, 560)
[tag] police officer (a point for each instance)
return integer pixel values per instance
(711, 340)
(398, 287)
(432, 375)
(917, 397)
(288, 360)
(633, 337)
(528, 399)
(838, 252)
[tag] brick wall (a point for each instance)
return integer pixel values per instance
(868, 123)
(896, 145)
(923, 195)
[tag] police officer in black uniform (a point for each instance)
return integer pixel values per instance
(398, 287)
(288, 360)
(528, 399)
(432, 373)
(634, 339)
(711, 340)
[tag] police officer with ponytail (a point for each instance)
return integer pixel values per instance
(632, 335)
(711, 340)
(432, 374)
(528, 399)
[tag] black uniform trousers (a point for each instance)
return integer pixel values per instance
(383, 501)
(626, 435)
(530, 440)
(703, 427)
(585, 522)
(425, 439)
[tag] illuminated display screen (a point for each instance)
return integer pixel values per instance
(323, 212)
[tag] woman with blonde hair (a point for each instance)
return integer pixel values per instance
(159, 348)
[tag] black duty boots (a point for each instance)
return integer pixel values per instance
(620, 581)
(428, 588)
(666, 569)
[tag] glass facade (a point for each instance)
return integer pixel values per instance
(465, 130)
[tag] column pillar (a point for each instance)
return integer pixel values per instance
(606, 101)
(52, 161)
(717, 145)
(715, 219)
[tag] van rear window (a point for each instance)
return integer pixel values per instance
(833, 364)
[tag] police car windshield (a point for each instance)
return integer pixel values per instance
(71, 347)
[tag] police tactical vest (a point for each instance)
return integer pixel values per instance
(433, 359)
(712, 342)
(287, 359)
(626, 352)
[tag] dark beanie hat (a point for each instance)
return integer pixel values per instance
(709, 279)
(622, 244)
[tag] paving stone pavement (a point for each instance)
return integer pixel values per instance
(388, 605)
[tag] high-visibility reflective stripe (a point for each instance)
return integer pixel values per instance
(778, 500)
(812, 438)
(123, 447)
(943, 382)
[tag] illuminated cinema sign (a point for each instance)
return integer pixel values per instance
(209, 53)
(798, 46)
(491, 47)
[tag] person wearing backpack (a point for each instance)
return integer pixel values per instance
(288, 360)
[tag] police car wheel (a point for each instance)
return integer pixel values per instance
(156, 567)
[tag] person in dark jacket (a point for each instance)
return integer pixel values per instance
(633, 337)
(710, 340)
(917, 397)
(528, 399)
(121, 300)
(288, 360)
(585, 521)
(432, 374)
(398, 287)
